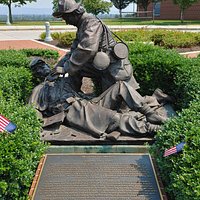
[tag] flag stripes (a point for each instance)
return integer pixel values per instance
(170, 151)
(174, 149)
(3, 123)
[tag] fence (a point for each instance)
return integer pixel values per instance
(139, 15)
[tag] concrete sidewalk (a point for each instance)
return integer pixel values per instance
(112, 27)
(34, 32)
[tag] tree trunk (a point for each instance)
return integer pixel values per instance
(181, 15)
(10, 13)
(120, 13)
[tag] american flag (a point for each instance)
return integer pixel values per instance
(174, 149)
(6, 125)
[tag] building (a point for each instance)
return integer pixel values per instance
(168, 10)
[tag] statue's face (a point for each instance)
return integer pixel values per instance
(71, 18)
(42, 71)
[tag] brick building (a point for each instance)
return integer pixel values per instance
(168, 10)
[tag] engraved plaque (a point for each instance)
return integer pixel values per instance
(97, 177)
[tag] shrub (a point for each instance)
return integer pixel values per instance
(178, 76)
(167, 39)
(54, 35)
(15, 82)
(66, 39)
(45, 53)
(13, 58)
(180, 173)
(20, 151)
(155, 67)
(174, 39)
(21, 58)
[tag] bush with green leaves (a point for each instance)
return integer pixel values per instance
(13, 58)
(16, 82)
(66, 39)
(178, 76)
(22, 58)
(20, 152)
(45, 53)
(180, 172)
(175, 75)
(167, 39)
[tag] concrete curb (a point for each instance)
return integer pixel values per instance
(112, 27)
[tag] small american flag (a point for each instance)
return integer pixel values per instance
(6, 125)
(174, 149)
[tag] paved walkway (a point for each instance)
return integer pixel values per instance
(28, 44)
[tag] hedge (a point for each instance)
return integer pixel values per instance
(153, 67)
(178, 76)
(181, 172)
(167, 39)
(16, 82)
(21, 151)
(175, 75)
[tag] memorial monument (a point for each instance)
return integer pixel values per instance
(119, 113)
(119, 110)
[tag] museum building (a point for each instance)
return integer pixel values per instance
(168, 10)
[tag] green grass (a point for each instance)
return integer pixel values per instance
(116, 21)
(129, 21)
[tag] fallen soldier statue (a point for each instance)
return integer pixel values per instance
(58, 102)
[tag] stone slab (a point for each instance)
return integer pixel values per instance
(62, 135)
(97, 176)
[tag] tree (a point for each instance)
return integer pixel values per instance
(121, 4)
(92, 6)
(97, 6)
(9, 3)
(183, 5)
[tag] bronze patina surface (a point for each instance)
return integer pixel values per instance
(97, 176)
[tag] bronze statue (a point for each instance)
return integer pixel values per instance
(94, 53)
(59, 101)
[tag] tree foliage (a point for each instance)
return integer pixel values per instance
(183, 5)
(121, 4)
(97, 6)
(17, 2)
(92, 6)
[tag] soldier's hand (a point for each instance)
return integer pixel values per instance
(52, 77)
(70, 68)
(58, 70)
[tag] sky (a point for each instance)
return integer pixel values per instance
(45, 7)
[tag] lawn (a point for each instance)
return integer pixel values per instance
(114, 21)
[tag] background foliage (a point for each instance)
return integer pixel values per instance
(21, 151)
(166, 39)
(178, 76)
(153, 67)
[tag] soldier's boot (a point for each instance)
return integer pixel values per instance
(162, 97)
(113, 136)
(152, 128)
(151, 115)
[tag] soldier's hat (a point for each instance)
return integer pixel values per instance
(35, 63)
(65, 6)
